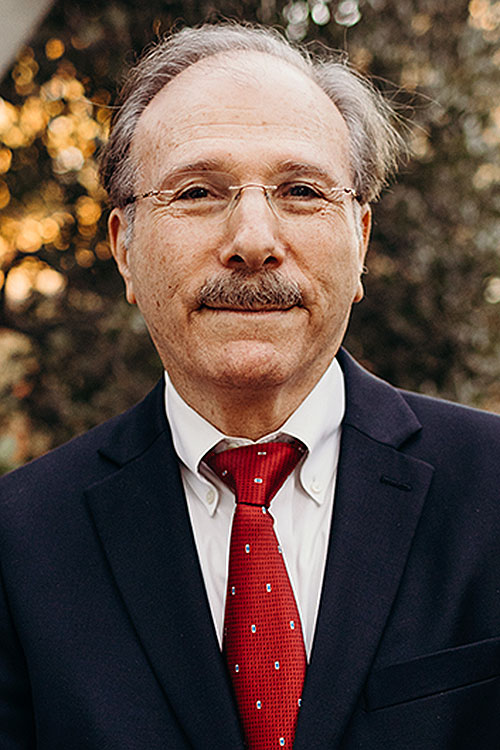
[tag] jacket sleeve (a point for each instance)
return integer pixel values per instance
(17, 731)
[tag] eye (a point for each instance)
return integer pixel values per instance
(194, 192)
(300, 190)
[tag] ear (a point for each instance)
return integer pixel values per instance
(117, 228)
(365, 220)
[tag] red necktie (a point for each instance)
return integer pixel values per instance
(263, 642)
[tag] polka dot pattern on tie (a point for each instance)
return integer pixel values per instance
(263, 642)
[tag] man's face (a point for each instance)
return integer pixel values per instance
(251, 117)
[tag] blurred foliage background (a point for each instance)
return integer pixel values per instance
(73, 353)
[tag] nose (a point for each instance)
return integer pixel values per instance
(253, 233)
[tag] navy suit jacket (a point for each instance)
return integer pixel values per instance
(106, 639)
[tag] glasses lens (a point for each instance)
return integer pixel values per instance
(303, 198)
(196, 194)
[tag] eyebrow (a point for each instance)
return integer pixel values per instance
(298, 168)
(200, 165)
(305, 169)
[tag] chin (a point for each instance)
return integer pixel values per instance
(252, 364)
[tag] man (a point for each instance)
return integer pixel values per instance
(240, 174)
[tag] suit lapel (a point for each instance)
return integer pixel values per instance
(142, 521)
(379, 497)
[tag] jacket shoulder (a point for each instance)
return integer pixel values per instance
(88, 458)
(457, 421)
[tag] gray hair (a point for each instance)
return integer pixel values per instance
(375, 143)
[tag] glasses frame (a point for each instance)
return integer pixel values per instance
(237, 190)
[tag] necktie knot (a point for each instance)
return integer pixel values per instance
(256, 472)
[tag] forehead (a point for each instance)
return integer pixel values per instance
(245, 110)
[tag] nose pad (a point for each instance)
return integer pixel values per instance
(238, 192)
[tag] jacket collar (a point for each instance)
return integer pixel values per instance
(373, 407)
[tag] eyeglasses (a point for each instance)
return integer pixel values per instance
(212, 195)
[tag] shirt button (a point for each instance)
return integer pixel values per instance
(210, 496)
(315, 486)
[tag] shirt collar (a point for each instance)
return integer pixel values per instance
(316, 422)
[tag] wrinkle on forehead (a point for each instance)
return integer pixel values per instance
(235, 98)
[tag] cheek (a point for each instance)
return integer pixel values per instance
(155, 282)
(155, 264)
(333, 269)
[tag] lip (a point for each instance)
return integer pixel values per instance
(249, 310)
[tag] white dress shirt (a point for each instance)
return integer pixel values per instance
(302, 508)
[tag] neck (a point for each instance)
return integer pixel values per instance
(249, 412)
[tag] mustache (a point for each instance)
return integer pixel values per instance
(245, 290)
